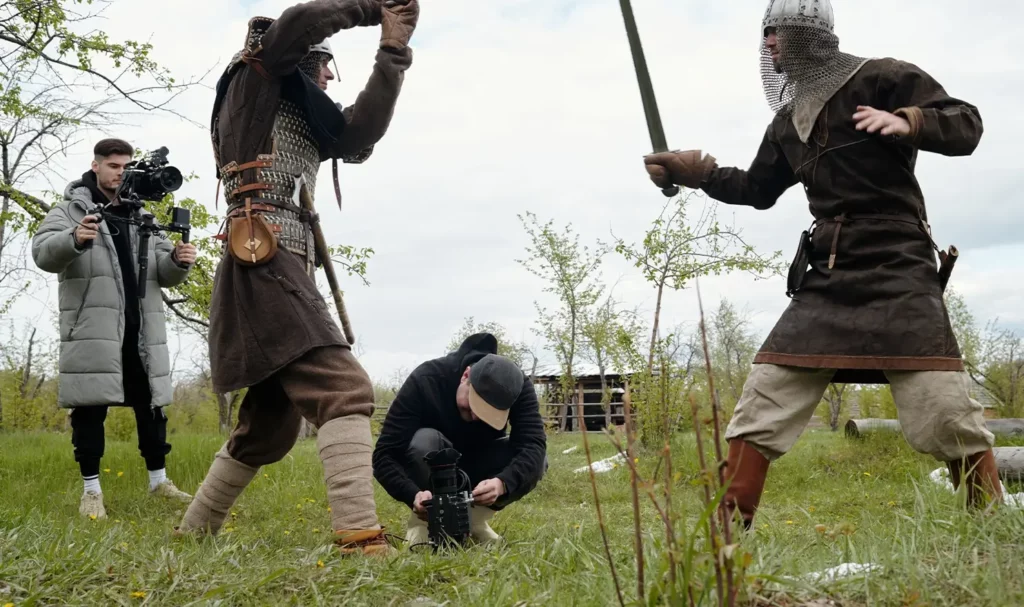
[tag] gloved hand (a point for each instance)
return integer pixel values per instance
(688, 168)
(398, 21)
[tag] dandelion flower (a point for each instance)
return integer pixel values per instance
(92, 516)
(810, 509)
(319, 563)
(234, 514)
(138, 594)
(265, 475)
(287, 532)
(106, 469)
(789, 522)
(8, 604)
(120, 474)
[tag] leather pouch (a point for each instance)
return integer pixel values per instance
(251, 240)
(798, 268)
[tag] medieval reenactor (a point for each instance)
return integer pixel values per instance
(270, 329)
(869, 309)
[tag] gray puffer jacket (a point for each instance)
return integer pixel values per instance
(92, 304)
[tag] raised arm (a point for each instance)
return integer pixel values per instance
(289, 37)
(939, 123)
(368, 119)
(759, 186)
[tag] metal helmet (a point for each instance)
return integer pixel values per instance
(322, 47)
(815, 14)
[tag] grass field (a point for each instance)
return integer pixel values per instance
(830, 501)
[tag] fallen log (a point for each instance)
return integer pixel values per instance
(1009, 460)
(1010, 427)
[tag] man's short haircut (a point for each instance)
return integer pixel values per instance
(110, 147)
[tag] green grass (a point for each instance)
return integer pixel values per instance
(872, 497)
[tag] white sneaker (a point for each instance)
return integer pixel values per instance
(92, 505)
(416, 531)
(479, 529)
(167, 490)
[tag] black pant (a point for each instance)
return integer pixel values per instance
(479, 465)
(87, 436)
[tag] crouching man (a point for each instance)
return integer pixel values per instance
(463, 400)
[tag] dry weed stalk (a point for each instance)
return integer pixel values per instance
(707, 480)
(638, 539)
(725, 561)
(597, 502)
(669, 529)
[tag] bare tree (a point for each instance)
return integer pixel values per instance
(835, 396)
(556, 256)
(676, 250)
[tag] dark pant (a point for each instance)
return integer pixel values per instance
(324, 384)
(479, 465)
(88, 439)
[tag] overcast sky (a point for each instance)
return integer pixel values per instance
(532, 105)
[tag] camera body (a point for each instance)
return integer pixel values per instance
(150, 178)
(448, 508)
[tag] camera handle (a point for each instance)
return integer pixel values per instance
(144, 232)
(465, 485)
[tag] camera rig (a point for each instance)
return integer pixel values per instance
(147, 179)
(448, 507)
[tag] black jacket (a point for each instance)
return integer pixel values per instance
(427, 400)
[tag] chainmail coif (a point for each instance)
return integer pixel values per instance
(811, 67)
(312, 63)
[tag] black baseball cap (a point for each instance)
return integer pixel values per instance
(495, 383)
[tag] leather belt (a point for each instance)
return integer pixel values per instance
(844, 218)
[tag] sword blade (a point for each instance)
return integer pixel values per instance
(643, 77)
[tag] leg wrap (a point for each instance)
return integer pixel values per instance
(345, 448)
(223, 484)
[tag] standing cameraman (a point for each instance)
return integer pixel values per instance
(465, 401)
(113, 349)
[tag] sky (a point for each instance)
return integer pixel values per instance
(532, 105)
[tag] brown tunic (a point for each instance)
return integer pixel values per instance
(264, 317)
(879, 307)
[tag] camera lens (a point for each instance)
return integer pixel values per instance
(169, 179)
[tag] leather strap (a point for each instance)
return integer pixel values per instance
(337, 184)
(255, 164)
(252, 187)
(250, 58)
(274, 205)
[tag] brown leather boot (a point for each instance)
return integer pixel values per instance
(983, 485)
(745, 473)
(370, 542)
